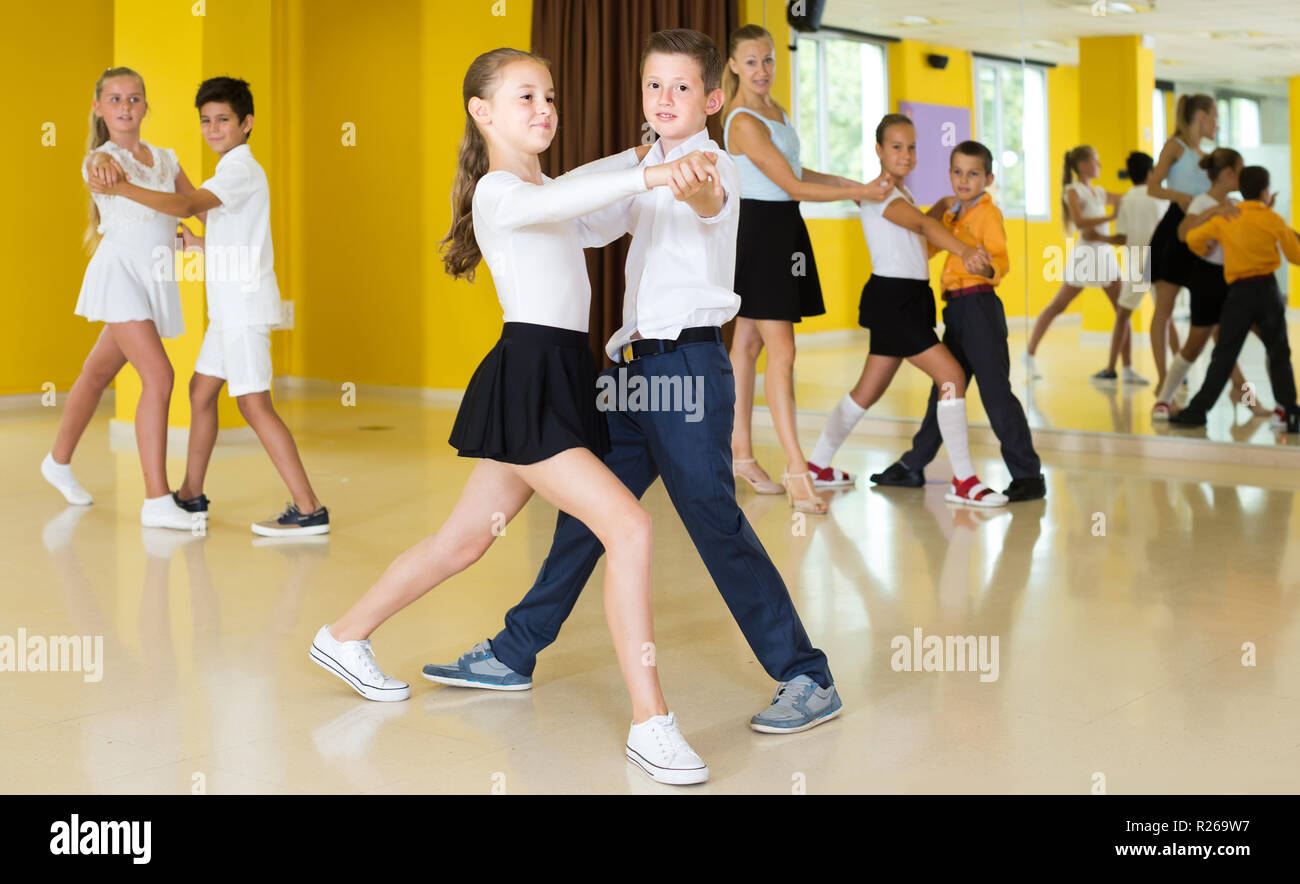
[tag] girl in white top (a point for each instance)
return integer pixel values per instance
(898, 307)
(773, 181)
(1205, 282)
(123, 289)
(535, 427)
(1090, 260)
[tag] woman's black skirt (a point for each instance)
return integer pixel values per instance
(1171, 260)
(532, 396)
(1208, 291)
(776, 276)
(900, 314)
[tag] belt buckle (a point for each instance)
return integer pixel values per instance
(628, 355)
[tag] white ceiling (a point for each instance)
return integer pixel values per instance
(1258, 41)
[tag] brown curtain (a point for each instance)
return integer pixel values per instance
(594, 47)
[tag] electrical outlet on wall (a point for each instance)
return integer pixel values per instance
(286, 316)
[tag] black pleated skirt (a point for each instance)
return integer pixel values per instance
(532, 396)
(900, 314)
(1171, 259)
(776, 275)
(1207, 290)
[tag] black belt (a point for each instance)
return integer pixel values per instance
(649, 346)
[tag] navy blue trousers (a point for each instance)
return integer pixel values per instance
(693, 457)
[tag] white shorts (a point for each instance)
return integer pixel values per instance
(240, 356)
(1129, 298)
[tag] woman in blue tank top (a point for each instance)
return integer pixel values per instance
(1177, 177)
(776, 276)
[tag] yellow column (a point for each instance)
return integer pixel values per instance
(1116, 76)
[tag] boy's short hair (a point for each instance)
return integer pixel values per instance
(1139, 166)
(1252, 182)
(684, 41)
(230, 90)
(976, 150)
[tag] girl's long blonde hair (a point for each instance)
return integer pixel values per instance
(730, 79)
(99, 135)
(460, 251)
(1072, 160)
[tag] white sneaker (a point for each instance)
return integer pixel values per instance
(1031, 367)
(658, 748)
(60, 476)
(1132, 377)
(162, 512)
(354, 662)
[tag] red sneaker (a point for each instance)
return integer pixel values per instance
(829, 477)
(973, 492)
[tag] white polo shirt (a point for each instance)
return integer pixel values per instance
(239, 263)
(895, 251)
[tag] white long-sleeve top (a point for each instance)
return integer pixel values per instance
(533, 245)
(681, 268)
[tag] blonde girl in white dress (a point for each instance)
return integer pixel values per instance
(129, 286)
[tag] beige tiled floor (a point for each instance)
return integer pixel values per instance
(1119, 654)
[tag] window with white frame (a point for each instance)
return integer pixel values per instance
(841, 90)
(1011, 121)
(1239, 121)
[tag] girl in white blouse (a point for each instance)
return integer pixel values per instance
(530, 411)
(122, 289)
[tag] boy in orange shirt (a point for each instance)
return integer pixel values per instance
(975, 330)
(1250, 234)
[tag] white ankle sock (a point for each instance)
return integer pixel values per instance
(951, 414)
(843, 418)
(1177, 372)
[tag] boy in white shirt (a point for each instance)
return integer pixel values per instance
(680, 274)
(1135, 222)
(243, 305)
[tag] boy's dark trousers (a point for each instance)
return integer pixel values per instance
(975, 330)
(694, 460)
(1252, 301)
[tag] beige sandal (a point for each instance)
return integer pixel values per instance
(762, 486)
(812, 504)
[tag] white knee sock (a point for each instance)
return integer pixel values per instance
(843, 418)
(951, 414)
(1177, 372)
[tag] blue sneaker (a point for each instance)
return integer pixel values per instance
(478, 669)
(292, 523)
(797, 706)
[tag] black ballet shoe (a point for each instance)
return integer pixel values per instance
(1029, 488)
(899, 475)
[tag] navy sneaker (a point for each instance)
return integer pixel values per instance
(293, 523)
(798, 705)
(193, 505)
(479, 668)
(898, 474)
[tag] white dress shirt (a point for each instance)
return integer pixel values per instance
(533, 246)
(681, 268)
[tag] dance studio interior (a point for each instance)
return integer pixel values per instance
(1129, 625)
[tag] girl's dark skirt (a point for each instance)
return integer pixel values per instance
(776, 276)
(1208, 290)
(1171, 260)
(532, 396)
(900, 314)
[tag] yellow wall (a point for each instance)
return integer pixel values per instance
(45, 209)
